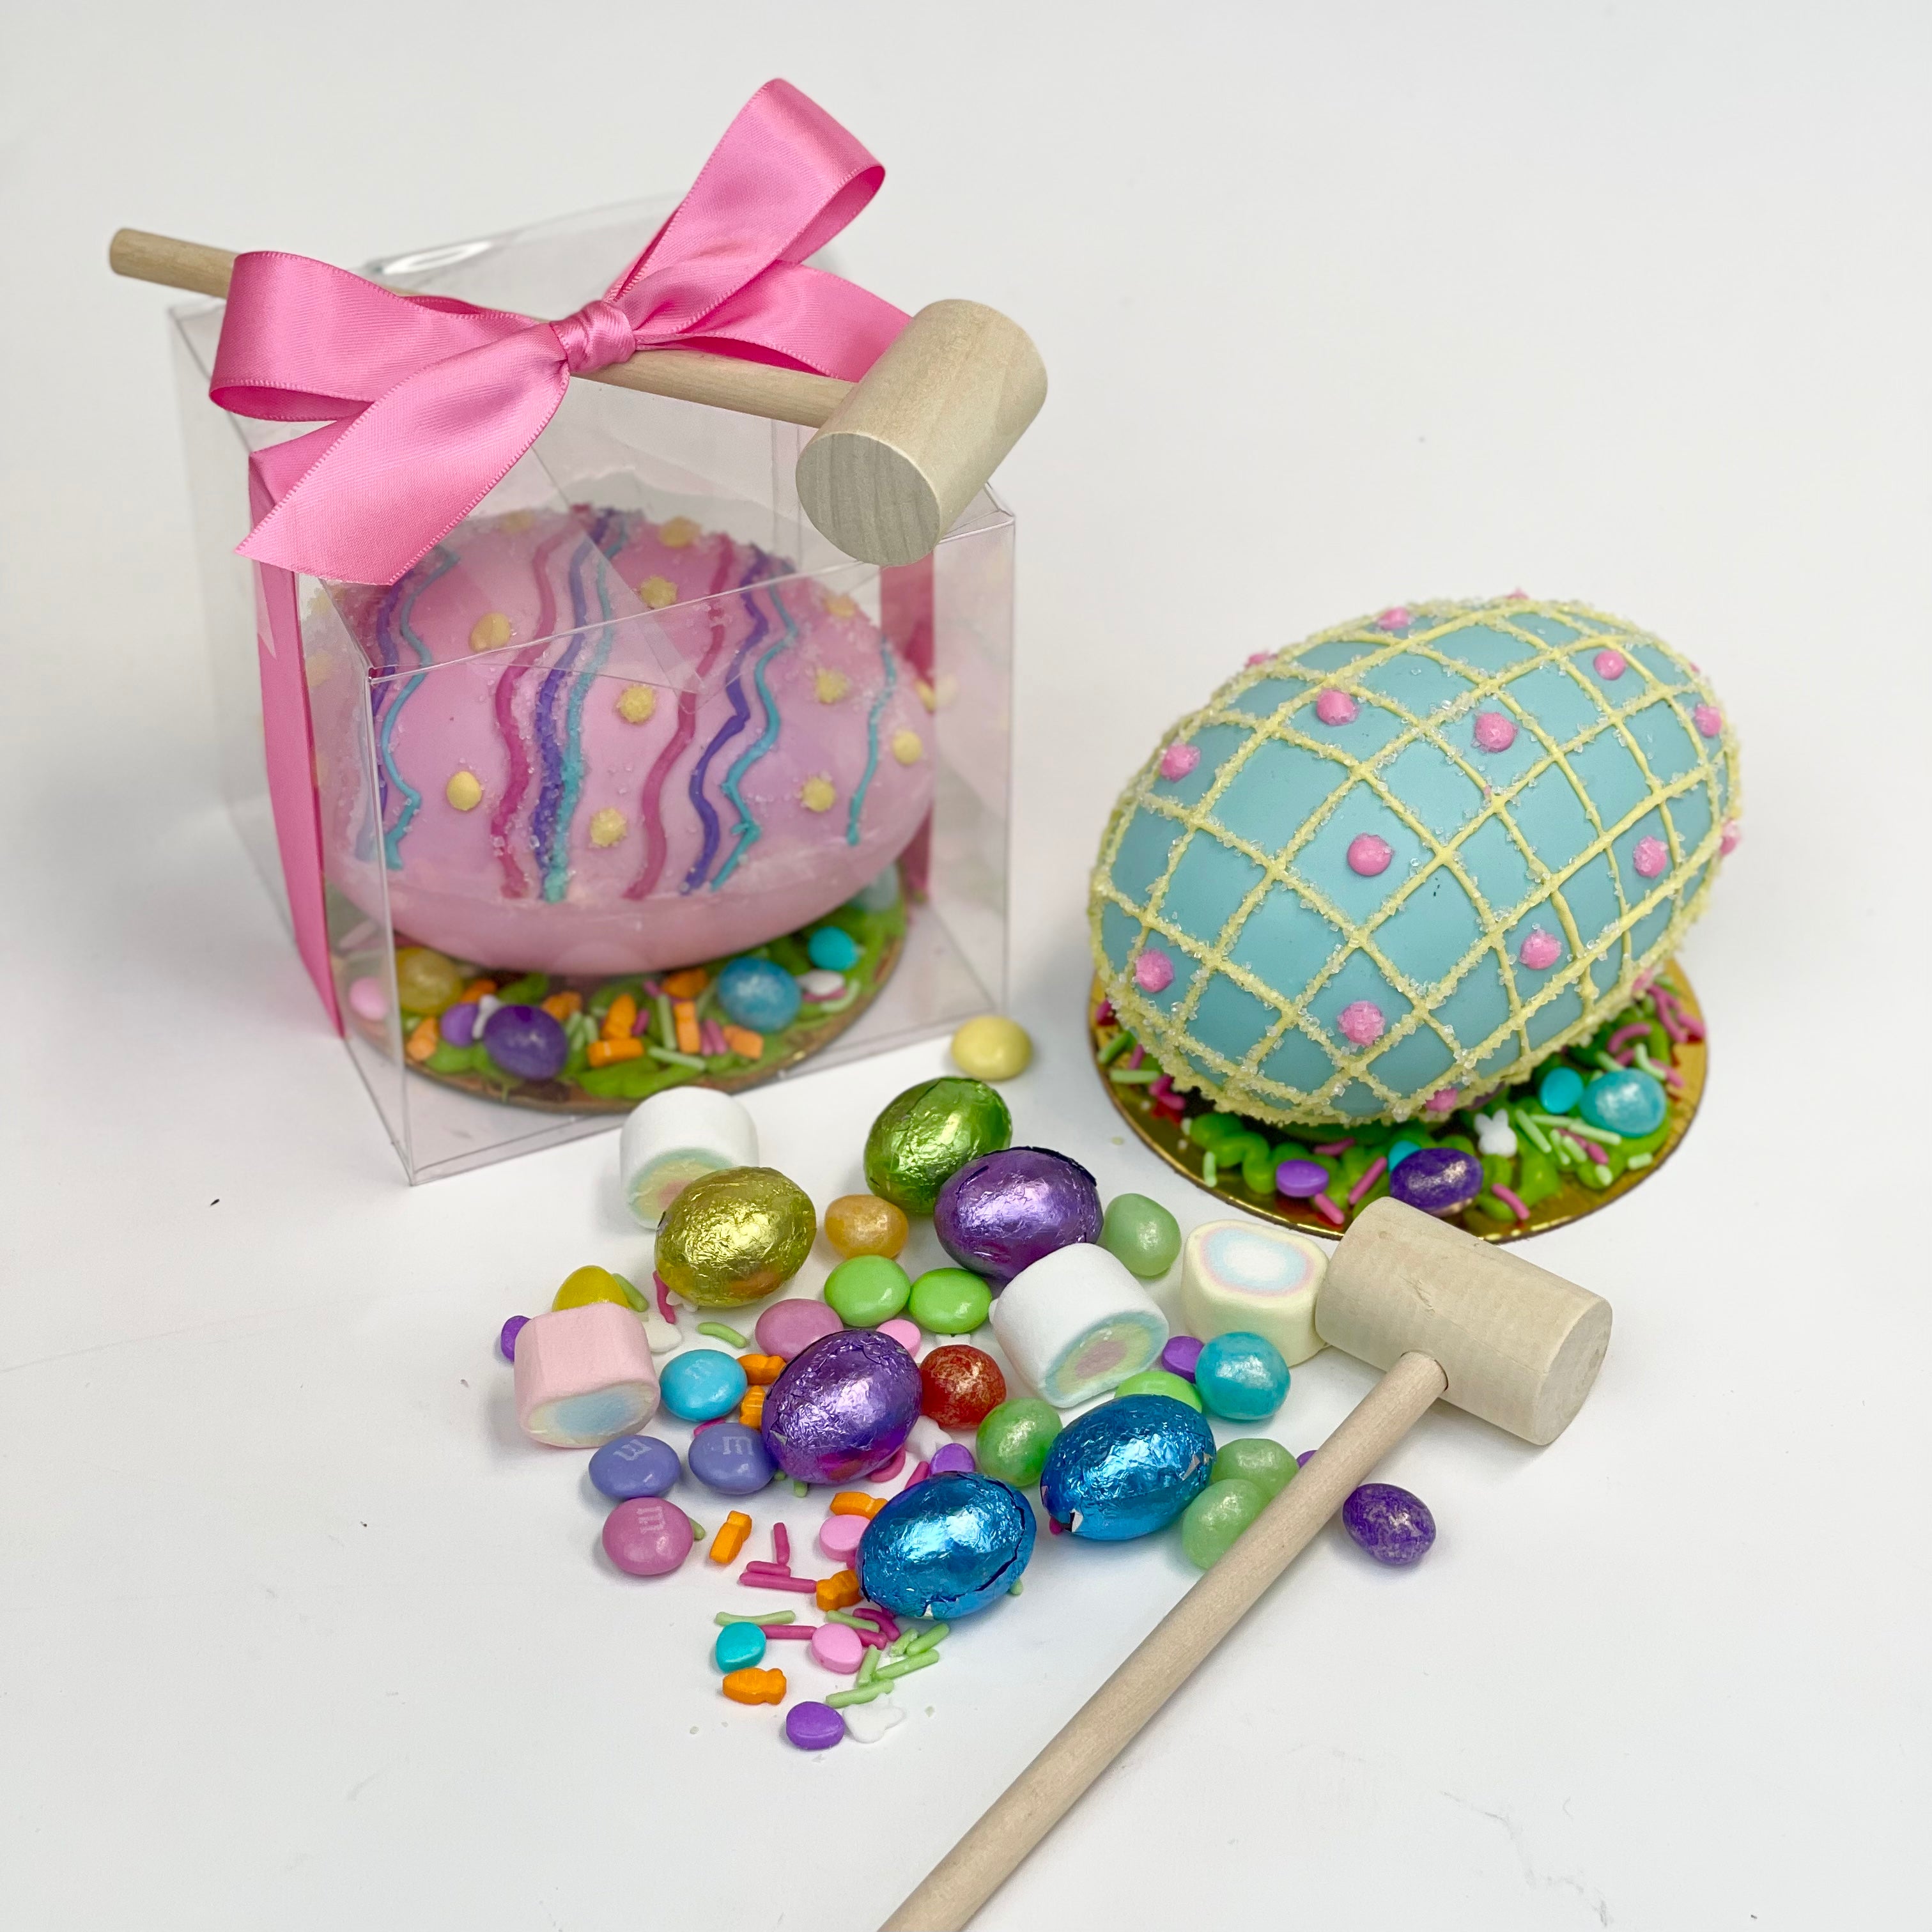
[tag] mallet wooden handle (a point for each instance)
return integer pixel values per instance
(688, 375)
(1095, 1736)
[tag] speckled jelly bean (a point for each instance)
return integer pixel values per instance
(1241, 1377)
(1254, 1458)
(633, 1465)
(1160, 1382)
(960, 1386)
(863, 1224)
(833, 947)
(1213, 1521)
(1632, 1103)
(759, 994)
(701, 1383)
(427, 981)
(1393, 1525)
(1440, 1180)
(1559, 1090)
(739, 1647)
(867, 1290)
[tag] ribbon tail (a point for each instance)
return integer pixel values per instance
(402, 472)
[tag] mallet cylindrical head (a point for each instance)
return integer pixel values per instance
(909, 448)
(1520, 1346)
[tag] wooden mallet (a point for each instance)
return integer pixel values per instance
(898, 454)
(1447, 1316)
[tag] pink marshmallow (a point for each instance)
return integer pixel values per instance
(584, 1376)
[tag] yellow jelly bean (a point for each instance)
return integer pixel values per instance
(991, 1048)
(583, 1285)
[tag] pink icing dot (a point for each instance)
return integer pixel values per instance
(1368, 855)
(1495, 730)
(1443, 1098)
(1516, 597)
(1729, 839)
(1257, 657)
(1397, 617)
(1360, 1021)
(1708, 720)
(1539, 950)
(1178, 760)
(1609, 665)
(1154, 971)
(1335, 707)
(1650, 857)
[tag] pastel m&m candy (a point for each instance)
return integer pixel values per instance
(702, 1383)
(647, 1537)
(633, 1465)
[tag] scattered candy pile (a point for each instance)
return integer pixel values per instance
(543, 1039)
(1600, 1110)
(847, 1394)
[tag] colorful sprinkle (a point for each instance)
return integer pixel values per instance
(1153, 971)
(816, 794)
(1397, 617)
(658, 592)
(1729, 839)
(680, 533)
(1650, 856)
(1495, 730)
(908, 747)
(490, 632)
(1361, 1021)
(1539, 950)
(1368, 854)
(829, 686)
(1178, 760)
(608, 827)
(1335, 707)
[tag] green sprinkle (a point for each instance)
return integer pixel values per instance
(666, 1026)
(1538, 1139)
(1559, 1146)
(928, 1638)
(768, 1617)
(698, 1532)
(867, 1667)
(839, 1700)
(1019, 1584)
(1637, 1161)
(1569, 1127)
(1210, 1170)
(857, 1623)
(1134, 1076)
(1603, 1175)
(906, 1665)
(799, 1489)
(1115, 1047)
(669, 1057)
(719, 1332)
(901, 1644)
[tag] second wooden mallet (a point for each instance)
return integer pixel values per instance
(1449, 1317)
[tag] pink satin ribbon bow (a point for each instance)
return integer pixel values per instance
(427, 402)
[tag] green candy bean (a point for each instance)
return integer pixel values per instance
(1159, 1381)
(1255, 1460)
(1214, 1520)
(1013, 1440)
(1139, 1233)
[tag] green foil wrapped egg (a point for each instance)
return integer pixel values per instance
(1420, 851)
(734, 1236)
(922, 1139)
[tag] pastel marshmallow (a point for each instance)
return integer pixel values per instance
(584, 1375)
(1076, 1324)
(1246, 1276)
(677, 1137)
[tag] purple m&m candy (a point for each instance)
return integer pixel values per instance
(1439, 1181)
(526, 1042)
(1394, 1526)
(812, 1726)
(633, 1465)
(1301, 1179)
(954, 1460)
(731, 1458)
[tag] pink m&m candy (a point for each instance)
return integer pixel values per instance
(787, 1328)
(647, 1537)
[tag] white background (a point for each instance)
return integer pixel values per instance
(1342, 306)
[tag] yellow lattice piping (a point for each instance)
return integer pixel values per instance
(1243, 1087)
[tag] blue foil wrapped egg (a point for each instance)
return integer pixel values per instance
(1128, 1468)
(947, 1547)
(1422, 850)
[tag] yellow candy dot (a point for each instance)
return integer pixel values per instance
(908, 747)
(463, 790)
(829, 686)
(657, 592)
(925, 695)
(637, 703)
(991, 1048)
(490, 632)
(518, 519)
(583, 1285)
(680, 533)
(816, 793)
(608, 826)
(840, 605)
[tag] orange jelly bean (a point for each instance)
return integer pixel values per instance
(730, 1537)
(838, 1591)
(755, 1687)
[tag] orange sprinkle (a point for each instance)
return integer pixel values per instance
(838, 1591)
(762, 1368)
(606, 1052)
(751, 1410)
(855, 1502)
(731, 1538)
(743, 1040)
(621, 1019)
(755, 1687)
(561, 1005)
(684, 1015)
(476, 989)
(686, 985)
(422, 1041)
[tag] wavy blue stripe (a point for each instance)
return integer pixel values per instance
(741, 712)
(872, 740)
(556, 878)
(392, 839)
(747, 830)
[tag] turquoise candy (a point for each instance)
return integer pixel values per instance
(1562, 1088)
(1422, 850)
(1399, 1151)
(738, 1647)
(1632, 1103)
(1241, 1377)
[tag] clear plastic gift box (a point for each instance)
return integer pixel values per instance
(634, 717)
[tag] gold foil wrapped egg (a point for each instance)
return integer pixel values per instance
(734, 1236)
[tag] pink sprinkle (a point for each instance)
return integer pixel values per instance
(1361, 1021)
(652, 987)
(1257, 657)
(1154, 971)
(711, 1037)
(1336, 1147)
(1509, 1200)
(920, 1470)
(1495, 730)
(1673, 1021)
(716, 1422)
(1443, 1098)
(1135, 1055)
(1708, 720)
(888, 1624)
(781, 1546)
(757, 1565)
(1729, 839)
(886, 1472)
(1326, 1209)
(1397, 617)
(1368, 855)
(1642, 984)
(664, 1300)
(802, 1585)
(1651, 857)
(1373, 1173)
(1335, 707)
(1054, 1528)
(792, 1633)
(641, 1026)
(1162, 1087)
(1540, 948)
(1623, 1035)
(1178, 760)
(1105, 1017)
(1591, 1148)
(1516, 597)
(1610, 666)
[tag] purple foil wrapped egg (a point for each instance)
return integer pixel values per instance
(844, 1406)
(1003, 1212)
(1439, 1181)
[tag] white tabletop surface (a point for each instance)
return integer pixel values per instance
(1342, 306)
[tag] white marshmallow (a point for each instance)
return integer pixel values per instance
(1077, 1324)
(1247, 1276)
(675, 1137)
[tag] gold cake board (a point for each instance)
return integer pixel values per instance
(1161, 1132)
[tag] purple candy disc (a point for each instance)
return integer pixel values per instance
(1301, 1179)
(813, 1726)
(954, 1459)
(1180, 1354)
(506, 1342)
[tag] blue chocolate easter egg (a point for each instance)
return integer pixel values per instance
(1128, 1468)
(947, 1547)
(1419, 851)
